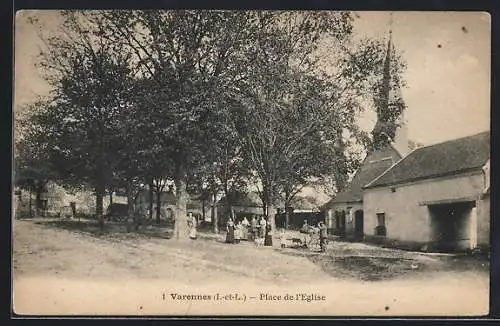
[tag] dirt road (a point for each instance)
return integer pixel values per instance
(62, 272)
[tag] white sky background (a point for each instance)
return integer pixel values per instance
(448, 92)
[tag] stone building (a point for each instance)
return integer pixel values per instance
(437, 196)
(344, 214)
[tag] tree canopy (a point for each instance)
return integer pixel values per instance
(213, 100)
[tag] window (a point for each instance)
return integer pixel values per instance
(380, 219)
(380, 229)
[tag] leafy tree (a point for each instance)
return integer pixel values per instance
(92, 81)
(188, 57)
(32, 168)
(297, 112)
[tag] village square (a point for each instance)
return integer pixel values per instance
(241, 163)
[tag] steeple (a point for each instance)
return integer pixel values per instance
(388, 103)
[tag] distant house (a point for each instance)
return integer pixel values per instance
(297, 217)
(244, 204)
(117, 210)
(168, 203)
(55, 200)
(344, 213)
(437, 196)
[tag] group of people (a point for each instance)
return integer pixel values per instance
(257, 229)
(320, 230)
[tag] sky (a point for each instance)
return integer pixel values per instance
(447, 54)
(448, 73)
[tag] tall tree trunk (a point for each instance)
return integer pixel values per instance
(158, 206)
(215, 218)
(271, 214)
(30, 202)
(38, 200)
(100, 189)
(287, 217)
(287, 209)
(130, 209)
(99, 196)
(270, 210)
(340, 174)
(203, 208)
(180, 226)
(229, 202)
(151, 192)
(231, 212)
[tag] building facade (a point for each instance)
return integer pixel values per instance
(344, 214)
(437, 197)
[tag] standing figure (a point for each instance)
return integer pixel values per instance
(245, 224)
(238, 232)
(253, 229)
(283, 238)
(189, 220)
(262, 231)
(268, 241)
(322, 236)
(262, 227)
(230, 231)
(193, 234)
(305, 230)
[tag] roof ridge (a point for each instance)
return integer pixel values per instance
(454, 140)
(430, 149)
(392, 166)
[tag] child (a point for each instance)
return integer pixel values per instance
(282, 238)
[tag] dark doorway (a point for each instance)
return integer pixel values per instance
(340, 223)
(358, 225)
(450, 226)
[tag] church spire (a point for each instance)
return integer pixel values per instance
(389, 105)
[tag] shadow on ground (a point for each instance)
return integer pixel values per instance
(378, 265)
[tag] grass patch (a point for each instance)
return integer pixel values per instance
(111, 230)
(378, 264)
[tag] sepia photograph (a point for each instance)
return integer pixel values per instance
(251, 163)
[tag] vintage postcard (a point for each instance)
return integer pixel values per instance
(251, 163)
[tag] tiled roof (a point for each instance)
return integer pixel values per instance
(450, 157)
(373, 166)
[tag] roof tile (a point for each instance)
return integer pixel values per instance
(450, 157)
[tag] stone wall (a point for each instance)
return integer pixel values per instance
(407, 217)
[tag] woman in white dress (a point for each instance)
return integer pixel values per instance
(245, 225)
(193, 223)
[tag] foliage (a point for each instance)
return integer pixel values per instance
(212, 100)
(85, 120)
